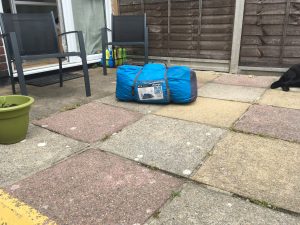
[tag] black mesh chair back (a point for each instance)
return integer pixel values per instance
(128, 28)
(36, 33)
(34, 37)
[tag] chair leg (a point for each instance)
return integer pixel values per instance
(10, 70)
(86, 76)
(84, 64)
(104, 59)
(61, 81)
(13, 85)
(11, 76)
(21, 77)
(104, 41)
(104, 66)
(146, 53)
(146, 45)
(18, 62)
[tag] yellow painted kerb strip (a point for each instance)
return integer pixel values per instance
(14, 212)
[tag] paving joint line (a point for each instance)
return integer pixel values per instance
(231, 128)
(209, 153)
(165, 203)
(251, 200)
(228, 100)
(131, 110)
(236, 85)
(206, 186)
(262, 136)
(84, 149)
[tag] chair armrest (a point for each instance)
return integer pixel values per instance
(107, 29)
(69, 32)
(80, 39)
(104, 35)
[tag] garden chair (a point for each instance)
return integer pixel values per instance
(126, 31)
(33, 37)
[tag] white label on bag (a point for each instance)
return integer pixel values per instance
(150, 91)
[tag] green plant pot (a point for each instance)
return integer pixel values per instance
(14, 120)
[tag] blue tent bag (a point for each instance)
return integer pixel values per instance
(125, 79)
(154, 83)
(183, 84)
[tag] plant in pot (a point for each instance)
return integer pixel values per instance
(14, 118)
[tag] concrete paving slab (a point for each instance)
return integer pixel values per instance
(96, 188)
(91, 122)
(271, 121)
(281, 99)
(208, 111)
(197, 205)
(52, 99)
(172, 145)
(133, 106)
(258, 168)
(204, 77)
(246, 80)
(38, 151)
(231, 92)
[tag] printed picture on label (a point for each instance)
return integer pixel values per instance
(150, 91)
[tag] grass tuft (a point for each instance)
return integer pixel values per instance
(262, 203)
(175, 194)
(70, 107)
(156, 214)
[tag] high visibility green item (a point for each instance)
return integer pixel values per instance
(107, 57)
(119, 59)
(124, 55)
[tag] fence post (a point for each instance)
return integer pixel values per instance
(237, 35)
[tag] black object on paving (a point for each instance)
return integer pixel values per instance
(50, 79)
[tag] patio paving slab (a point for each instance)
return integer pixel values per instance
(96, 188)
(271, 121)
(91, 122)
(133, 106)
(230, 92)
(204, 77)
(208, 111)
(197, 205)
(52, 99)
(172, 145)
(40, 150)
(246, 80)
(257, 168)
(281, 99)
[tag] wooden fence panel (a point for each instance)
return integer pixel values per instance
(271, 33)
(185, 28)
